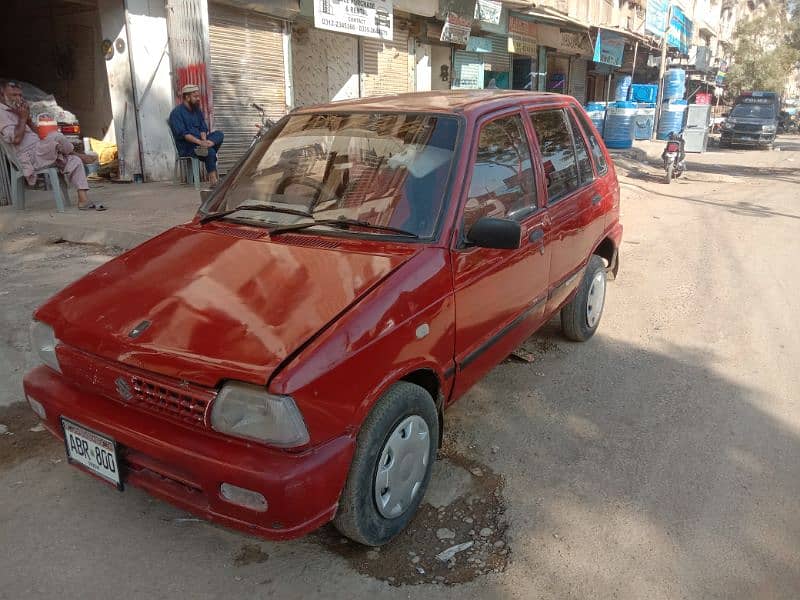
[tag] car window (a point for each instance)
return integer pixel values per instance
(584, 162)
(558, 153)
(597, 151)
(502, 183)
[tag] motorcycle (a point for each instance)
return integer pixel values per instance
(265, 125)
(789, 123)
(674, 156)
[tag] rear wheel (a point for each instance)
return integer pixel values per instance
(581, 317)
(391, 467)
(670, 170)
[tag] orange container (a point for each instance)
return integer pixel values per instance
(46, 125)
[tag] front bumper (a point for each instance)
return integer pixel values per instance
(186, 466)
(747, 138)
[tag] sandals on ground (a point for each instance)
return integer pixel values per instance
(92, 206)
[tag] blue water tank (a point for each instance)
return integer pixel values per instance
(644, 121)
(597, 113)
(644, 92)
(621, 86)
(619, 125)
(674, 84)
(673, 114)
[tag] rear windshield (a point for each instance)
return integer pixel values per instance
(386, 169)
(753, 111)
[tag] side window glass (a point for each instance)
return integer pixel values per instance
(594, 145)
(558, 153)
(502, 183)
(584, 162)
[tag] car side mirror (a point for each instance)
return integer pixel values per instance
(500, 234)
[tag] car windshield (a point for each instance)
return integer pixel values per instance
(753, 111)
(383, 170)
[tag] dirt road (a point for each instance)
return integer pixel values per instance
(659, 460)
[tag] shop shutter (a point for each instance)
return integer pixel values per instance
(467, 70)
(385, 66)
(247, 65)
(498, 60)
(577, 80)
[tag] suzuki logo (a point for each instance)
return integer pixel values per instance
(123, 389)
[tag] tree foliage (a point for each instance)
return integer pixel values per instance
(765, 53)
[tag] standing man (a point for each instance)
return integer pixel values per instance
(33, 153)
(191, 132)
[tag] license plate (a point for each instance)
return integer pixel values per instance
(95, 452)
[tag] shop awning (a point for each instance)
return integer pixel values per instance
(551, 16)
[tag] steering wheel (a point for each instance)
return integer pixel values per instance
(307, 182)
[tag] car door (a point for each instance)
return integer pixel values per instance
(570, 197)
(500, 295)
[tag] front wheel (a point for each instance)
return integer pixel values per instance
(581, 317)
(670, 170)
(391, 468)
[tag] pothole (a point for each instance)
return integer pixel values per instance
(458, 534)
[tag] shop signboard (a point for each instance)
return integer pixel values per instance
(488, 11)
(521, 44)
(479, 44)
(563, 40)
(609, 48)
(367, 18)
(456, 29)
(680, 30)
(656, 17)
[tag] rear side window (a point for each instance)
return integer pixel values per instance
(594, 145)
(584, 162)
(558, 153)
(502, 183)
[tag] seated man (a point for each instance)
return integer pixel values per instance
(33, 153)
(191, 132)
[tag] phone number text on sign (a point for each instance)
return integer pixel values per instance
(367, 18)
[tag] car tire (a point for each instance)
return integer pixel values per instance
(580, 318)
(408, 409)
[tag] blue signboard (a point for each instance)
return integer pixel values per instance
(608, 48)
(656, 17)
(680, 31)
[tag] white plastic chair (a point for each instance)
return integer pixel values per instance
(54, 180)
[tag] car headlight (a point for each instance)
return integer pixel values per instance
(728, 124)
(768, 128)
(43, 342)
(250, 412)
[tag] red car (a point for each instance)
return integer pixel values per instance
(285, 359)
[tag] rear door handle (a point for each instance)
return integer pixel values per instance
(596, 199)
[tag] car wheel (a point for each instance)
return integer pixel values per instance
(391, 468)
(581, 317)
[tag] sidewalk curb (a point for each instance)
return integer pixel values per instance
(73, 232)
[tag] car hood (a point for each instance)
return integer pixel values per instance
(212, 305)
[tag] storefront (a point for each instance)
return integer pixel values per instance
(568, 53)
(248, 64)
(523, 46)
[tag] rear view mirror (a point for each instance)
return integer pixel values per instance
(500, 234)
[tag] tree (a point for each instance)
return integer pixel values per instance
(765, 54)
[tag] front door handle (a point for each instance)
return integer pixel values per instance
(596, 199)
(537, 235)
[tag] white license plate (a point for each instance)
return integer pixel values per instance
(93, 451)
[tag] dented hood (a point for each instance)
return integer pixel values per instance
(208, 305)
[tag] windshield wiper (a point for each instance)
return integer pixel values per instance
(258, 207)
(343, 223)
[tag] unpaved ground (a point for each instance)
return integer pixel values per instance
(658, 460)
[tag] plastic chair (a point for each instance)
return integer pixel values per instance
(192, 173)
(55, 182)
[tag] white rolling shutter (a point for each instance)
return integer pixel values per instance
(498, 60)
(577, 80)
(247, 65)
(467, 70)
(385, 66)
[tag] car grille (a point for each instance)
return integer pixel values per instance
(162, 396)
(747, 128)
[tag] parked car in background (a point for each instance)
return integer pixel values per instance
(753, 121)
(45, 108)
(285, 359)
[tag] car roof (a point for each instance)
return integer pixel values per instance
(450, 101)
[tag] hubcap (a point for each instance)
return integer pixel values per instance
(402, 466)
(597, 296)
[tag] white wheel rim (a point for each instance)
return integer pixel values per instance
(402, 467)
(596, 299)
